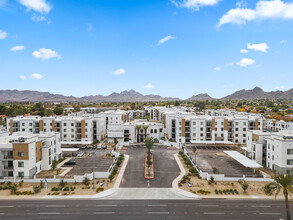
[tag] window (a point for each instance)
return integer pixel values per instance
(201, 123)
(194, 123)
(244, 129)
(64, 130)
(20, 154)
(155, 130)
(45, 124)
(72, 130)
(236, 129)
(152, 131)
(273, 147)
(64, 124)
(290, 151)
(179, 122)
(72, 124)
(236, 123)
(289, 162)
(20, 174)
(20, 164)
(180, 135)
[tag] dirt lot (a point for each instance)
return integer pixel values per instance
(254, 188)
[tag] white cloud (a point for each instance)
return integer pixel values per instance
(243, 51)
(40, 6)
(36, 76)
(149, 86)
(241, 4)
(259, 47)
(274, 9)
(119, 71)
(3, 35)
(17, 48)
(46, 54)
(230, 64)
(38, 18)
(22, 77)
(283, 41)
(194, 4)
(246, 62)
(217, 68)
(165, 39)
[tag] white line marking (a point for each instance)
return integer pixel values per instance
(213, 213)
(6, 206)
(260, 206)
(162, 213)
(49, 213)
(209, 205)
(157, 205)
(106, 205)
(269, 213)
(1, 213)
(54, 206)
(103, 213)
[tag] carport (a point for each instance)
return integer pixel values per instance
(69, 151)
(240, 158)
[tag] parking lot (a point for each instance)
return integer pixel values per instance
(93, 160)
(209, 157)
(165, 167)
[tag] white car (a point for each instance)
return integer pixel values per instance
(80, 154)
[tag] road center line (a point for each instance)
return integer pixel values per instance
(104, 213)
(159, 213)
(209, 205)
(269, 213)
(106, 205)
(157, 205)
(261, 206)
(6, 206)
(54, 206)
(213, 213)
(49, 213)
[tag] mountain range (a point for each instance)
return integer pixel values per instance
(134, 96)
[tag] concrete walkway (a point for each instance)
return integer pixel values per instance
(147, 194)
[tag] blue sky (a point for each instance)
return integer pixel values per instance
(172, 48)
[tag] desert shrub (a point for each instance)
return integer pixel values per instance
(111, 177)
(13, 189)
(244, 186)
(269, 189)
(37, 189)
(181, 152)
(86, 181)
(62, 184)
(216, 170)
(55, 188)
(20, 184)
(99, 189)
(66, 188)
(42, 184)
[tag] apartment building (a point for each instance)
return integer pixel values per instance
(188, 127)
(3, 131)
(25, 154)
(275, 126)
(135, 131)
(73, 129)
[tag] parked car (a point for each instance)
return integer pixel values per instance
(74, 146)
(94, 147)
(83, 147)
(80, 154)
(99, 147)
(70, 163)
(104, 147)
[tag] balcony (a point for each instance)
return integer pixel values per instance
(8, 167)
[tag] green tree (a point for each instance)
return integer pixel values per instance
(284, 182)
(149, 144)
(58, 110)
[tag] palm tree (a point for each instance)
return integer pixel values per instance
(149, 144)
(284, 182)
(145, 128)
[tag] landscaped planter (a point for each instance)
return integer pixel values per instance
(152, 173)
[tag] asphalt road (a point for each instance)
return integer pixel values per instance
(142, 209)
(165, 166)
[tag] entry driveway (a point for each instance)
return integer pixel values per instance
(166, 168)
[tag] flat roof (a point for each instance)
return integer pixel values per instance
(69, 149)
(242, 159)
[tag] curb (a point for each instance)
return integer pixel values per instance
(126, 157)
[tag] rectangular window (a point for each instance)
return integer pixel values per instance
(289, 162)
(20, 164)
(21, 174)
(20, 154)
(290, 151)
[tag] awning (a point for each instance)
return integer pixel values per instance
(242, 159)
